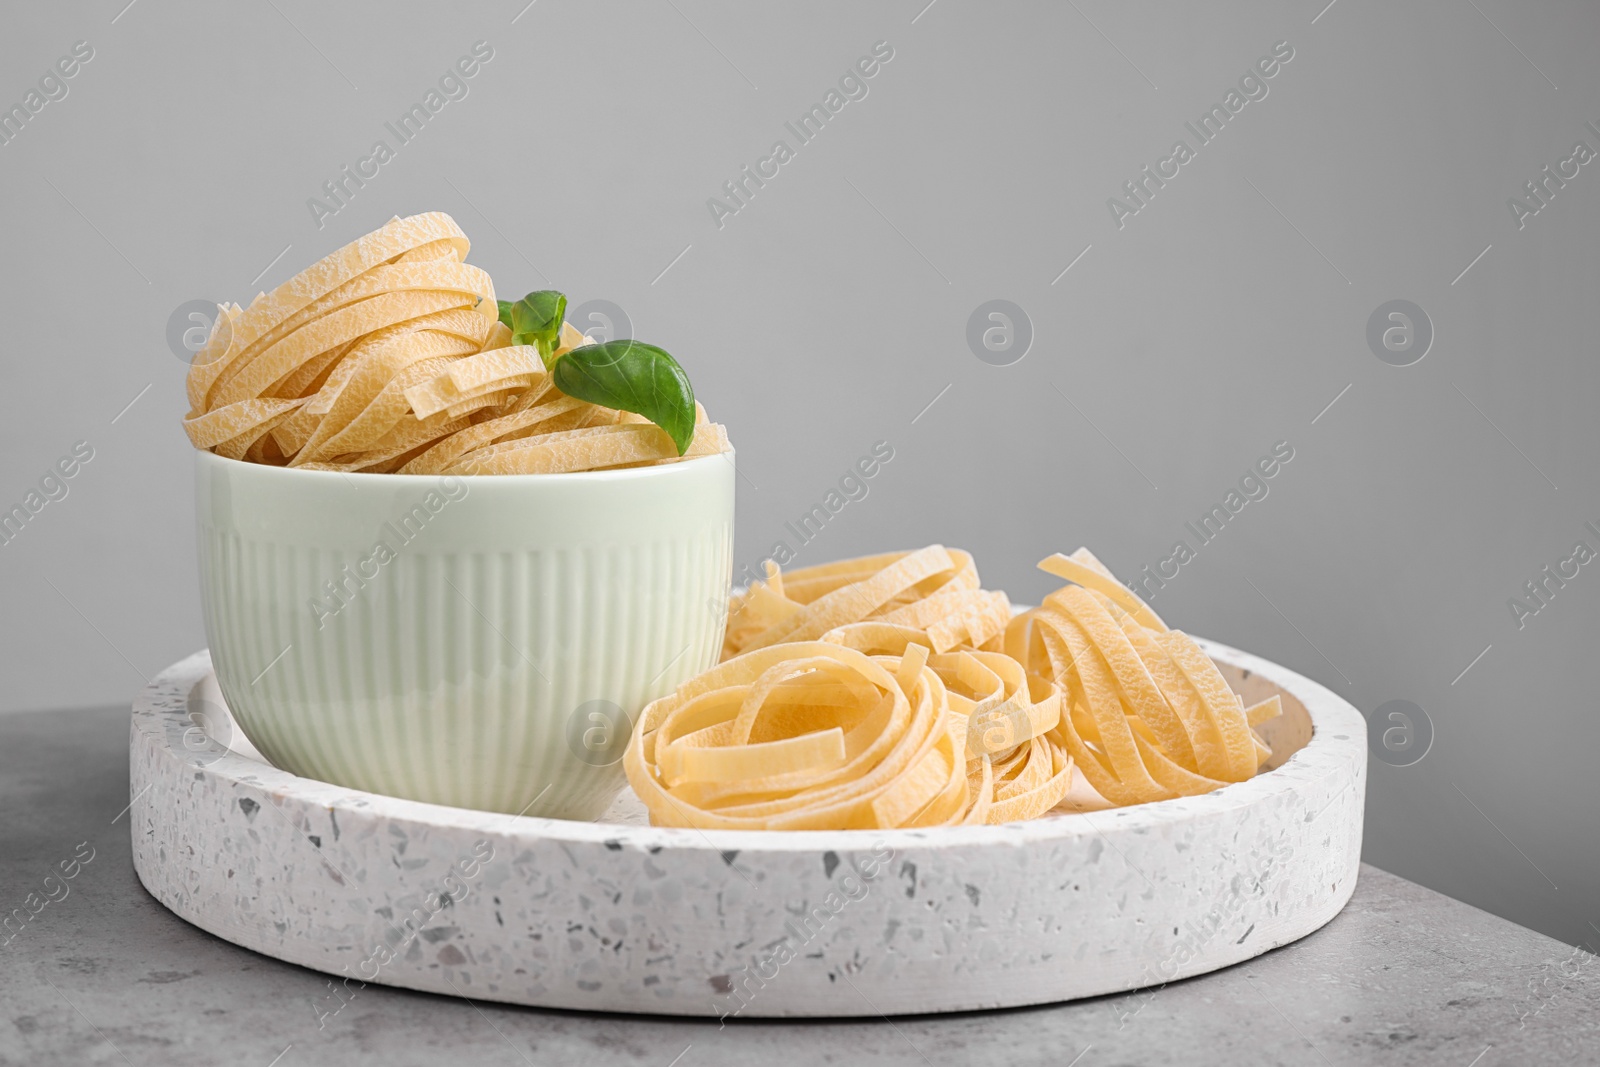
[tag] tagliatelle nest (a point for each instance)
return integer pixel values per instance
(867, 728)
(388, 355)
(931, 594)
(1149, 716)
(805, 736)
(1007, 722)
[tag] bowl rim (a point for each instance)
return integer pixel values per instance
(370, 479)
(1337, 749)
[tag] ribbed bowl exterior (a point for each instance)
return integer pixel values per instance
(483, 642)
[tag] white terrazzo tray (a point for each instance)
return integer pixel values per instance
(620, 916)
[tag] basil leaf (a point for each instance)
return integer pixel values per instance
(632, 376)
(536, 320)
(505, 313)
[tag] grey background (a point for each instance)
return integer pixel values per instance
(829, 312)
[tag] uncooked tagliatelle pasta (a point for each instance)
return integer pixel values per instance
(1017, 763)
(806, 735)
(1148, 716)
(390, 355)
(932, 592)
(884, 692)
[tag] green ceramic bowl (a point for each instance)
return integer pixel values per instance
(483, 642)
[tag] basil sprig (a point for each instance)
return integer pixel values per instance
(536, 320)
(632, 376)
(624, 374)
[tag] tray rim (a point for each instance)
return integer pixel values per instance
(1338, 736)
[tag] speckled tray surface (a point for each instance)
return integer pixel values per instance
(621, 916)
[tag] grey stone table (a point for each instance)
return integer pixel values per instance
(96, 971)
